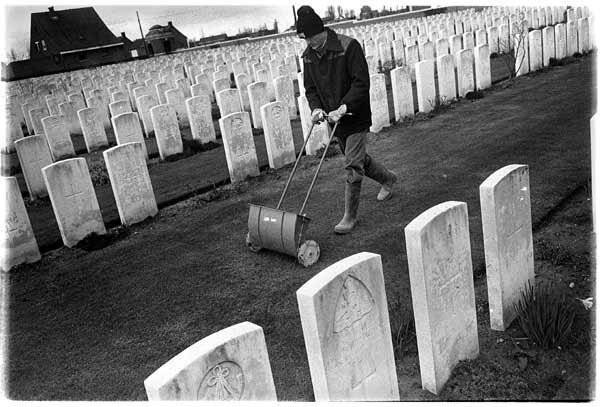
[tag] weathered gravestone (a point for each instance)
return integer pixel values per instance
(34, 154)
(257, 92)
(203, 86)
(446, 78)
(229, 101)
(25, 108)
(130, 182)
(483, 73)
(424, 73)
(583, 35)
(145, 103)
(102, 110)
(380, 115)
(229, 365)
(493, 39)
(118, 107)
(67, 110)
(441, 283)
(560, 39)
(129, 130)
(402, 93)
(78, 100)
(508, 242)
(13, 132)
(571, 38)
(199, 113)
(521, 50)
(176, 99)
(57, 135)
(464, 70)
(548, 50)
(278, 134)
(347, 334)
(239, 146)
(284, 92)
(161, 88)
(73, 200)
(320, 132)
(535, 50)
(93, 131)
(412, 57)
(166, 130)
(35, 116)
(18, 244)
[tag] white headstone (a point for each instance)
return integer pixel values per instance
(129, 130)
(229, 365)
(284, 92)
(199, 113)
(508, 242)
(17, 242)
(34, 154)
(257, 92)
(144, 104)
(278, 134)
(402, 93)
(548, 50)
(535, 50)
(176, 99)
(238, 143)
(35, 116)
(380, 115)
(130, 182)
(464, 70)
(426, 98)
(412, 57)
(560, 39)
(93, 131)
(118, 107)
(441, 283)
(57, 135)
(347, 334)
(583, 35)
(446, 78)
(320, 133)
(67, 110)
(504, 42)
(483, 73)
(203, 86)
(73, 200)
(166, 130)
(229, 101)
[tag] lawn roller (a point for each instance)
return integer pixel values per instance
(283, 231)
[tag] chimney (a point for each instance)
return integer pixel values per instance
(123, 35)
(170, 24)
(51, 9)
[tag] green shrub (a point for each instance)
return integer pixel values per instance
(545, 315)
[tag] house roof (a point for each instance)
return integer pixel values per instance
(72, 29)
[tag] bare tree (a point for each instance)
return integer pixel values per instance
(340, 12)
(514, 58)
(330, 13)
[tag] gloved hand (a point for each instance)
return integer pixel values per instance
(317, 115)
(336, 115)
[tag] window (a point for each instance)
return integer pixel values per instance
(44, 45)
(37, 46)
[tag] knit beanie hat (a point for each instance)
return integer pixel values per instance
(309, 22)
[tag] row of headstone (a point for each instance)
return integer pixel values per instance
(344, 314)
(73, 198)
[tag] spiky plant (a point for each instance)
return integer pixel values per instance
(545, 315)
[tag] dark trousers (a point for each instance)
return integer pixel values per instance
(354, 148)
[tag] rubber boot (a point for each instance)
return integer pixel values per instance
(352, 198)
(385, 177)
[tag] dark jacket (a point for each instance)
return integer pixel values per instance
(340, 76)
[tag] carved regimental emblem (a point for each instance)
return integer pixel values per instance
(224, 381)
(354, 327)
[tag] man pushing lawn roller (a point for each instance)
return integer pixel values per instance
(336, 80)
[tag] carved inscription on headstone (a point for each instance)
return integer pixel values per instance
(223, 382)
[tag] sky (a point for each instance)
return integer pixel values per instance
(194, 19)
